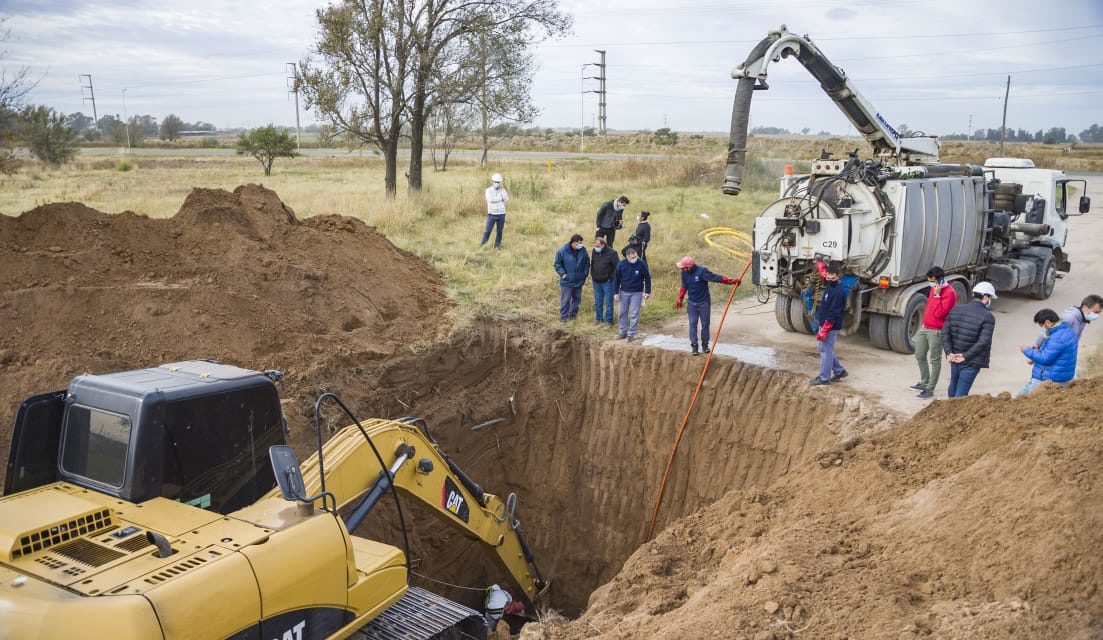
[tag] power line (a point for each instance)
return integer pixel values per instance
(830, 39)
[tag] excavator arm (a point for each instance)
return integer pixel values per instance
(780, 43)
(419, 469)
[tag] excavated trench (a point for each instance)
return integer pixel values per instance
(586, 433)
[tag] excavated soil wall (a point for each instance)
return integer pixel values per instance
(586, 433)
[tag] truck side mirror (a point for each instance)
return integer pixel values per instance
(1085, 204)
(285, 466)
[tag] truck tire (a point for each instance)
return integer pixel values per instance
(781, 312)
(1043, 289)
(961, 292)
(797, 317)
(903, 328)
(879, 331)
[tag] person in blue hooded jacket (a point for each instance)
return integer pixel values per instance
(829, 317)
(572, 263)
(1055, 357)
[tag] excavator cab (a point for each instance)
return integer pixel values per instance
(197, 432)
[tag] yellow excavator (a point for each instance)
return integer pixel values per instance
(164, 503)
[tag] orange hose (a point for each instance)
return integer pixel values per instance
(692, 403)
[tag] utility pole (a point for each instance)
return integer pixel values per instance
(969, 131)
(293, 87)
(126, 121)
(91, 96)
(1003, 127)
(601, 129)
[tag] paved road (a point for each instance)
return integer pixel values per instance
(341, 153)
(753, 334)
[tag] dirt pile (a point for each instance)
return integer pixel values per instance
(232, 276)
(980, 518)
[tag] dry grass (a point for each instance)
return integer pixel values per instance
(549, 202)
(444, 223)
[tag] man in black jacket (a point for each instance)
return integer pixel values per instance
(643, 233)
(609, 219)
(603, 262)
(830, 318)
(967, 339)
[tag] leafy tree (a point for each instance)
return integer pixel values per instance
(78, 122)
(452, 37)
(171, 127)
(47, 135)
(666, 137)
(1093, 133)
(358, 81)
(14, 86)
(266, 144)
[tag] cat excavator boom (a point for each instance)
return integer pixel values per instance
(163, 503)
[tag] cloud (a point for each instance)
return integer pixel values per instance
(840, 13)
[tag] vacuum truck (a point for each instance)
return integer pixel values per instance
(886, 220)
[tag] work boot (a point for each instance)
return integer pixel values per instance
(693, 346)
(705, 347)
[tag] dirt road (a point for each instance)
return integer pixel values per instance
(752, 334)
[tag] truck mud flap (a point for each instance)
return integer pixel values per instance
(423, 615)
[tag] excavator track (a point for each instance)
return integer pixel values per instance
(422, 615)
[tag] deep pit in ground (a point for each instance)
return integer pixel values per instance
(586, 432)
(238, 277)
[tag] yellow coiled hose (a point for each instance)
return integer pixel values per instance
(731, 242)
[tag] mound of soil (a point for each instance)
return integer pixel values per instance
(232, 276)
(980, 518)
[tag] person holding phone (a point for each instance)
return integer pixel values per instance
(928, 340)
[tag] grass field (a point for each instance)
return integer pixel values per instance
(549, 202)
(444, 223)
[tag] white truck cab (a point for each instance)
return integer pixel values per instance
(1049, 185)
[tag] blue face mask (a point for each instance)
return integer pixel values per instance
(598, 249)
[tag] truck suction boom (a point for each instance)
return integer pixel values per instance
(887, 142)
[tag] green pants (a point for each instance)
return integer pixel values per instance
(928, 349)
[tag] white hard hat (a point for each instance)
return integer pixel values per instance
(497, 177)
(985, 289)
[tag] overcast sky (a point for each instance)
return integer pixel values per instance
(929, 64)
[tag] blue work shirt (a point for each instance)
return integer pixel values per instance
(696, 283)
(631, 278)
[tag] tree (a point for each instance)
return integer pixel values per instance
(78, 122)
(266, 144)
(454, 37)
(171, 127)
(1093, 133)
(14, 86)
(445, 125)
(666, 137)
(47, 135)
(358, 82)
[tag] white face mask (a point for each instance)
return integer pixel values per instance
(1091, 316)
(618, 206)
(988, 303)
(632, 260)
(598, 249)
(575, 246)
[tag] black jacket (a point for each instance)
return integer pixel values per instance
(643, 233)
(602, 265)
(607, 217)
(968, 331)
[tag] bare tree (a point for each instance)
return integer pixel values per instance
(447, 122)
(15, 84)
(442, 29)
(359, 79)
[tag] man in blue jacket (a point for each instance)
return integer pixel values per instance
(829, 316)
(631, 286)
(572, 263)
(695, 282)
(1055, 358)
(967, 339)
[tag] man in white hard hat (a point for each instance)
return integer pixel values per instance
(967, 339)
(496, 198)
